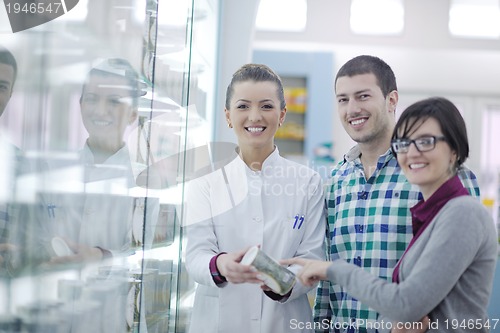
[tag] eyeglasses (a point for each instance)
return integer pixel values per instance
(423, 144)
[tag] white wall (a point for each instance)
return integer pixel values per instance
(236, 41)
(425, 58)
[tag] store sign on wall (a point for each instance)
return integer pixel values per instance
(26, 14)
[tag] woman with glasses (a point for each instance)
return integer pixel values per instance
(446, 273)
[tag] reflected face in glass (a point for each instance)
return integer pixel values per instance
(431, 168)
(255, 114)
(6, 82)
(363, 110)
(107, 107)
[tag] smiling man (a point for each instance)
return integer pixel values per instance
(8, 71)
(368, 196)
(10, 153)
(97, 222)
(108, 105)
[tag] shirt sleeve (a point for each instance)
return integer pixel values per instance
(312, 245)
(202, 244)
(277, 297)
(413, 298)
(322, 308)
(469, 180)
(323, 312)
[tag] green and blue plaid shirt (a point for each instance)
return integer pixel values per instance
(370, 226)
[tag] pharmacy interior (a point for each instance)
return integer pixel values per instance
(94, 241)
(106, 94)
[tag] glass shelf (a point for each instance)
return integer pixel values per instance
(88, 236)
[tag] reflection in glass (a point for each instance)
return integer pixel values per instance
(102, 94)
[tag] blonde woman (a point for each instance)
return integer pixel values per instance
(259, 198)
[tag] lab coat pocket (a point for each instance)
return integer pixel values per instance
(207, 291)
(294, 226)
(205, 313)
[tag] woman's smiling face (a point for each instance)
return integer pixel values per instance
(255, 114)
(106, 107)
(429, 169)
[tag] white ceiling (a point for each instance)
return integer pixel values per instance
(425, 57)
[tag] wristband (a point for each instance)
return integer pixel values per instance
(216, 276)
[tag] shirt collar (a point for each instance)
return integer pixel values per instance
(271, 159)
(354, 155)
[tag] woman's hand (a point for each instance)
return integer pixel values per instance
(229, 267)
(82, 253)
(5, 251)
(312, 271)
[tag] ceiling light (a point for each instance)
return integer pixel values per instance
(382, 17)
(475, 18)
(282, 15)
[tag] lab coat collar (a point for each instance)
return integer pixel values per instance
(268, 162)
(119, 164)
(117, 158)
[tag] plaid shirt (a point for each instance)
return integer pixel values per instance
(369, 226)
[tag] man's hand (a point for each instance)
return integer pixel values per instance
(5, 250)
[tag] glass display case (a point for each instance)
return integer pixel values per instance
(106, 100)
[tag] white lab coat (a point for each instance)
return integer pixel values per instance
(252, 208)
(102, 214)
(8, 175)
(11, 166)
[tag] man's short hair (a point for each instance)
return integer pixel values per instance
(7, 58)
(367, 64)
